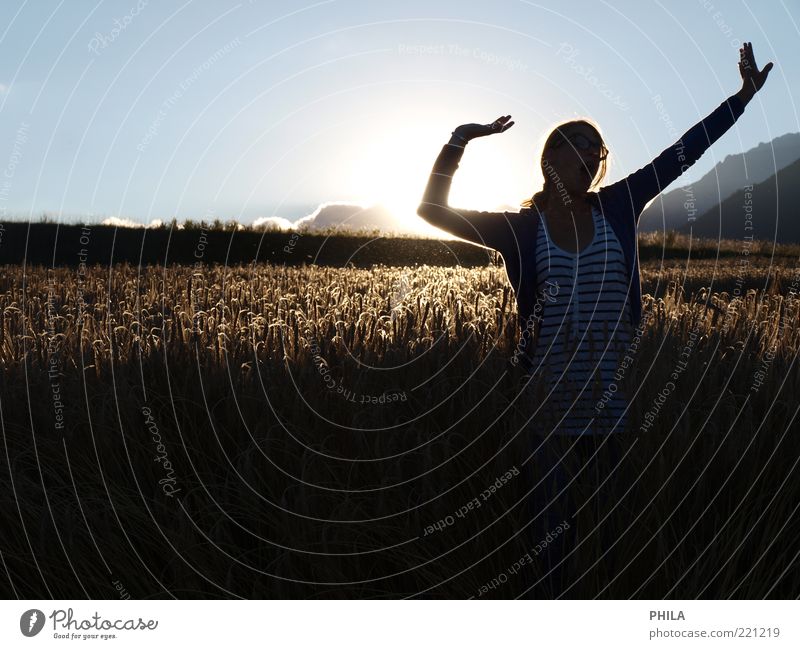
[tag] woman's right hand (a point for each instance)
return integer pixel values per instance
(471, 131)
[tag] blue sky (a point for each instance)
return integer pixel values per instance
(148, 110)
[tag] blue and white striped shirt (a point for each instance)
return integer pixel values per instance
(583, 333)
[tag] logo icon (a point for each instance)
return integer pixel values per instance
(31, 622)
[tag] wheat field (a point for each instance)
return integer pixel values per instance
(269, 431)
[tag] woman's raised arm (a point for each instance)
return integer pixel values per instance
(487, 229)
(647, 182)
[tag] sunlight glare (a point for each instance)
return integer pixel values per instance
(392, 171)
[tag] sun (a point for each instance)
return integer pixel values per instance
(393, 170)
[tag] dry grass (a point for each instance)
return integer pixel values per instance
(293, 484)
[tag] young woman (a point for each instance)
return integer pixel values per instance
(571, 256)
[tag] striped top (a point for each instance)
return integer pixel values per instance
(583, 333)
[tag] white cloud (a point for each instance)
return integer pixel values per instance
(351, 216)
(120, 223)
(127, 223)
(273, 221)
(354, 216)
(346, 216)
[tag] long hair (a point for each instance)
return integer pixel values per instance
(558, 132)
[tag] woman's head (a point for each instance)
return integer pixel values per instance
(573, 161)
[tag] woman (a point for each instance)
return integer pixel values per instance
(571, 256)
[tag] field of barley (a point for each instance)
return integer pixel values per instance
(315, 432)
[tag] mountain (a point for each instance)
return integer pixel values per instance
(774, 203)
(732, 174)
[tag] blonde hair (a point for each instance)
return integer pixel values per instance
(562, 131)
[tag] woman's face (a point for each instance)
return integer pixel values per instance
(575, 160)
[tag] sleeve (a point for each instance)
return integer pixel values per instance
(486, 229)
(646, 183)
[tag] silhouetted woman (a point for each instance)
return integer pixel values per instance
(572, 258)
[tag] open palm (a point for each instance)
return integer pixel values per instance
(752, 77)
(471, 131)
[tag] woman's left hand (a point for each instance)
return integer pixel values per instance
(752, 78)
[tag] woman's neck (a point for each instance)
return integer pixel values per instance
(555, 204)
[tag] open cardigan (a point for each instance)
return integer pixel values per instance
(514, 234)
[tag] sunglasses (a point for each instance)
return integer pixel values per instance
(583, 143)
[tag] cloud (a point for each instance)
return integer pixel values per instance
(120, 223)
(350, 216)
(359, 217)
(273, 222)
(127, 223)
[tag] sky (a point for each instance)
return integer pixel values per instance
(268, 110)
